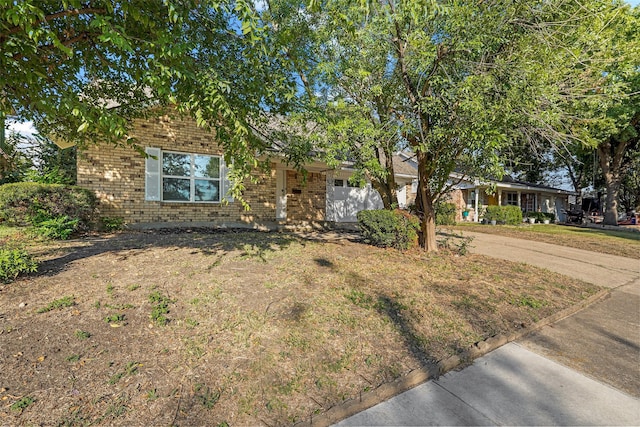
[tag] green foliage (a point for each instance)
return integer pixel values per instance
(385, 228)
(58, 228)
(22, 403)
(541, 216)
(115, 319)
(54, 165)
(82, 335)
(216, 61)
(13, 262)
(528, 301)
(206, 396)
(29, 203)
(511, 215)
(446, 213)
(160, 307)
(129, 369)
(112, 223)
(14, 163)
(58, 304)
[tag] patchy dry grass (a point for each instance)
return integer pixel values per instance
(622, 243)
(253, 328)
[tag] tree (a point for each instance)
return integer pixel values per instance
(432, 72)
(81, 70)
(14, 164)
(587, 87)
(608, 118)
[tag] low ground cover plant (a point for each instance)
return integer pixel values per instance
(14, 262)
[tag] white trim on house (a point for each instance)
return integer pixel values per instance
(281, 194)
(154, 176)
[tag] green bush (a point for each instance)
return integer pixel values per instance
(13, 262)
(385, 228)
(511, 215)
(59, 228)
(445, 214)
(112, 223)
(30, 203)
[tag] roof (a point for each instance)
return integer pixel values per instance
(402, 166)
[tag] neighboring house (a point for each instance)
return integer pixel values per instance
(470, 194)
(183, 183)
(508, 191)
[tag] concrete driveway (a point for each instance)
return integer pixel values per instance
(582, 370)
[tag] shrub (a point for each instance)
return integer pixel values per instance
(59, 228)
(511, 215)
(112, 223)
(385, 228)
(30, 203)
(13, 262)
(445, 214)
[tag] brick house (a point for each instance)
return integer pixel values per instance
(470, 195)
(183, 183)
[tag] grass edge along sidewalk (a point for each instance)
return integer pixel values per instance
(420, 376)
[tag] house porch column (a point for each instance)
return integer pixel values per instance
(499, 197)
(476, 214)
(520, 199)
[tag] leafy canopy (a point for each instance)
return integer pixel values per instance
(81, 70)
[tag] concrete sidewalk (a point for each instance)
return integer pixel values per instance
(583, 370)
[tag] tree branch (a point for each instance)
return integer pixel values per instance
(70, 12)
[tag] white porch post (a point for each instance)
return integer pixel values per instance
(519, 199)
(281, 194)
(499, 197)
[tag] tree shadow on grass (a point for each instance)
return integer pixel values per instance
(209, 242)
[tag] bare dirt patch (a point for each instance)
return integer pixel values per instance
(242, 328)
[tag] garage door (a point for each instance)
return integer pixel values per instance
(345, 202)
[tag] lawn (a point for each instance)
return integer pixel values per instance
(622, 243)
(242, 328)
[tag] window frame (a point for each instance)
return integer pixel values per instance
(511, 199)
(191, 177)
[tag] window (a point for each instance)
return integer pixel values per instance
(190, 177)
(512, 199)
(183, 177)
(338, 182)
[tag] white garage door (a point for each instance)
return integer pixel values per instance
(344, 202)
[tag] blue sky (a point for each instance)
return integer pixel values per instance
(633, 2)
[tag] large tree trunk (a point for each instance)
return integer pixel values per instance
(428, 221)
(612, 186)
(610, 156)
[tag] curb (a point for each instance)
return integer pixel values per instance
(418, 376)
